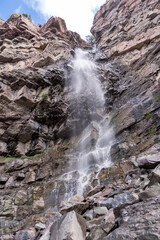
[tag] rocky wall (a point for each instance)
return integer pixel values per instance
(127, 35)
(122, 205)
(33, 104)
(26, 186)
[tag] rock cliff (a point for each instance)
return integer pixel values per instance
(127, 34)
(37, 116)
(31, 105)
(24, 44)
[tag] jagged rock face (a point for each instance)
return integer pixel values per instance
(135, 221)
(32, 104)
(26, 190)
(31, 110)
(123, 26)
(127, 33)
(24, 44)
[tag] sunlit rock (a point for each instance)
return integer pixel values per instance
(70, 226)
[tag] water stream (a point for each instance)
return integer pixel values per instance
(92, 131)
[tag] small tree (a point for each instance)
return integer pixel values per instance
(91, 40)
(25, 15)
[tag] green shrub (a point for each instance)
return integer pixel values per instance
(152, 132)
(44, 96)
(91, 40)
(157, 99)
(149, 115)
(66, 144)
(7, 159)
(25, 15)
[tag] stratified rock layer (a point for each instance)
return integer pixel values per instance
(24, 44)
(128, 33)
(32, 106)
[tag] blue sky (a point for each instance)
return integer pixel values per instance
(8, 7)
(78, 14)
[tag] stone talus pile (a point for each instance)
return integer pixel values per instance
(123, 206)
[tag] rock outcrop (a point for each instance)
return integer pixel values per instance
(24, 44)
(32, 107)
(127, 34)
(70, 226)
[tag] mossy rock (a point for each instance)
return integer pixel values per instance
(112, 174)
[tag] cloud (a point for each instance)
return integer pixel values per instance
(78, 14)
(17, 10)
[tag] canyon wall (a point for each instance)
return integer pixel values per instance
(35, 105)
(127, 34)
(32, 107)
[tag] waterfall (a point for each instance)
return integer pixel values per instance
(96, 135)
(92, 134)
(84, 79)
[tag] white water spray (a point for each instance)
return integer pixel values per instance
(93, 147)
(84, 78)
(92, 132)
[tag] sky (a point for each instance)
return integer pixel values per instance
(78, 14)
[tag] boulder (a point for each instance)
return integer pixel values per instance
(150, 192)
(40, 226)
(3, 179)
(11, 183)
(69, 226)
(30, 177)
(88, 215)
(135, 221)
(21, 197)
(26, 234)
(99, 196)
(39, 204)
(51, 221)
(94, 222)
(94, 191)
(106, 202)
(156, 173)
(96, 233)
(46, 233)
(99, 211)
(109, 221)
(122, 200)
(150, 158)
(75, 203)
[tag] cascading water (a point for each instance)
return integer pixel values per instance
(92, 134)
(97, 137)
